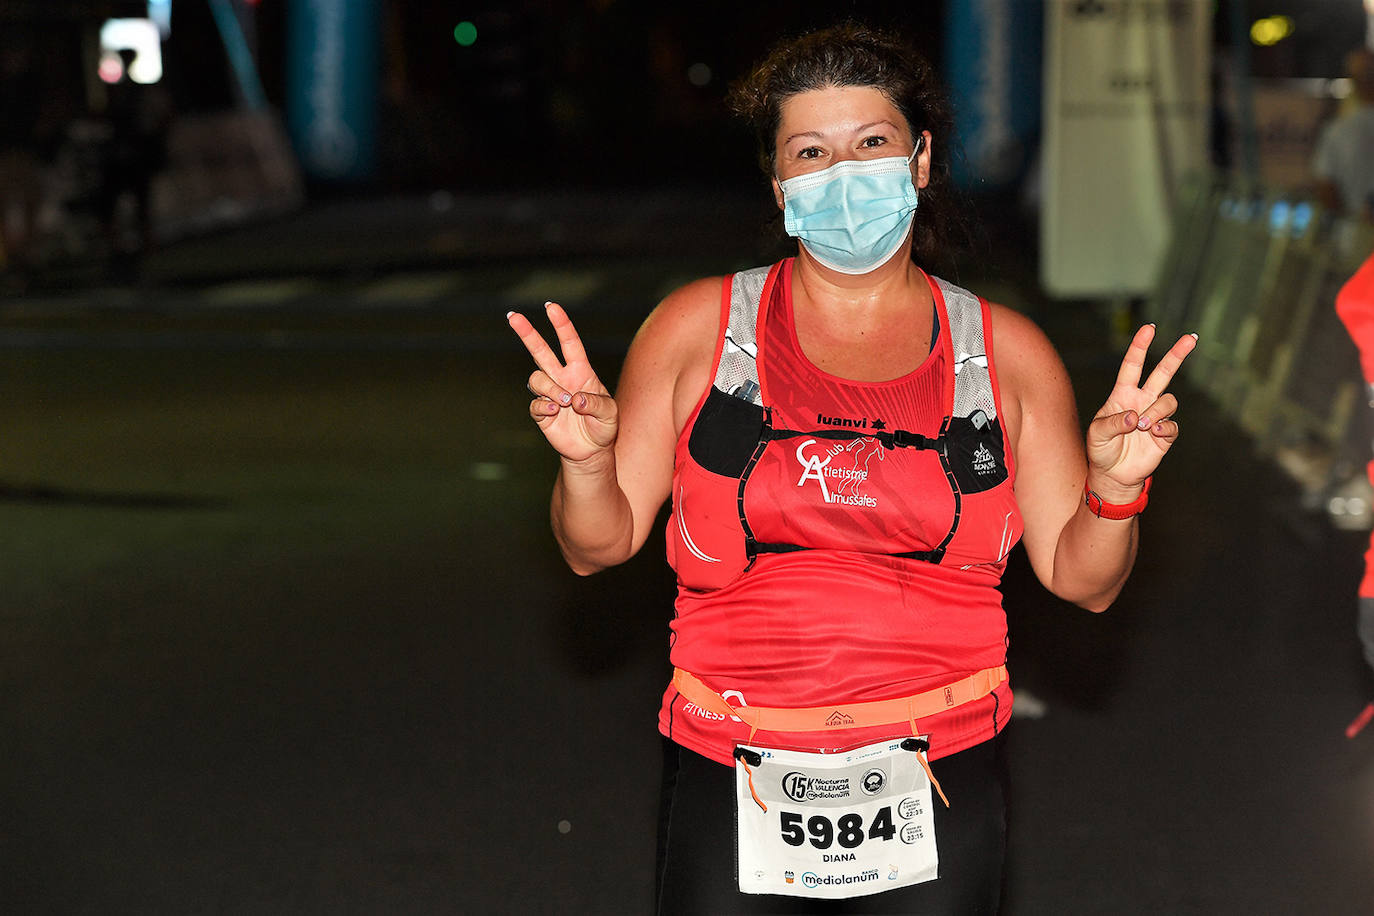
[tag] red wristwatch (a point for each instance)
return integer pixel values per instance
(1110, 510)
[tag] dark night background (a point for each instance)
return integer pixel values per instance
(282, 626)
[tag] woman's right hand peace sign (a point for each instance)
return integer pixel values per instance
(573, 408)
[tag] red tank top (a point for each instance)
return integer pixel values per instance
(839, 541)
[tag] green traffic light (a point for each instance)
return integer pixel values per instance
(465, 33)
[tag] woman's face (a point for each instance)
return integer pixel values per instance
(821, 127)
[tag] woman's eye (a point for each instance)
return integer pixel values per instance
(871, 142)
(811, 152)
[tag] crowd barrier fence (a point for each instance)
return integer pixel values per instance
(1255, 273)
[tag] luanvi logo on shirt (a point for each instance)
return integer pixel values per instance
(850, 422)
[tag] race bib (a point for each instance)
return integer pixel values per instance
(838, 825)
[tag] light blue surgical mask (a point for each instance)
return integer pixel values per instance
(853, 216)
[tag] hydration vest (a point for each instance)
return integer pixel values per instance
(711, 539)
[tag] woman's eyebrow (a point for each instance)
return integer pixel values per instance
(858, 130)
(805, 133)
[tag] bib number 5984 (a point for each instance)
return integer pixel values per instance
(847, 831)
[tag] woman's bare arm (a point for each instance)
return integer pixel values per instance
(616, 453)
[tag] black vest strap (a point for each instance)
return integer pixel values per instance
(897, 438)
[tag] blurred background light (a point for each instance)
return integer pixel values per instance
(137, 35)
(465, 33)
(1271, 30)
(1278, 216)
(160, 12)
(111, 68)
(1302, 217)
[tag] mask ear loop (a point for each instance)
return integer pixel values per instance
(920, 145)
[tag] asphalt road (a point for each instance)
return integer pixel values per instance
(286, 631)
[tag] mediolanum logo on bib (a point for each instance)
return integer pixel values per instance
(838, 470)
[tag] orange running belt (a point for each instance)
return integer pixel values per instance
(846, 715)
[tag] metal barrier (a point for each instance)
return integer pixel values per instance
(1265, 347)
(1185, 259)
(1255, 273)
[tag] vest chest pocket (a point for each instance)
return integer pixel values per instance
(725, 434)
(976, 454)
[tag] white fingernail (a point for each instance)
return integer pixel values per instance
(508, 314)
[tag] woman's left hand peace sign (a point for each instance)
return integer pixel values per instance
(1135, 427)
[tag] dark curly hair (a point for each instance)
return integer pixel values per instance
(853, 54)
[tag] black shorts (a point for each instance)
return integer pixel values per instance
(696, 842)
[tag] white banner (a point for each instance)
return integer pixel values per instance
(1127, 99)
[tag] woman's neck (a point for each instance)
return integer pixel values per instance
(871, 328)
(889, 288)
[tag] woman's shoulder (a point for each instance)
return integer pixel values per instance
(691, 304)
(1030, 371)
(676, 344)
(1018, 340)
(685, 319)
(1032, 379)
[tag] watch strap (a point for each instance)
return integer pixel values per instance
(1097, 506)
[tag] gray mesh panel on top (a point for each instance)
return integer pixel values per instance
(738, 360)
(972, 381)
